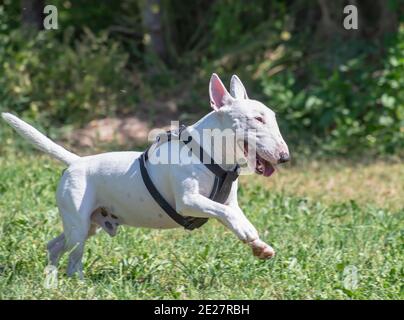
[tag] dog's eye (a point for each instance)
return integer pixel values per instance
(260, 119)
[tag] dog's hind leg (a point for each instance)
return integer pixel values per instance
(76, 233)
(76, 201)
(56, 249)
(75, 246)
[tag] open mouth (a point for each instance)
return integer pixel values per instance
(262, 166)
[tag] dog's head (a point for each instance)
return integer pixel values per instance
(262, 142)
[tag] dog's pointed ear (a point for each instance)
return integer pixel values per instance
(237, 89)
(217, 92)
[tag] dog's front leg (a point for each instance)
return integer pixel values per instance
(259, 247)
(196, 205)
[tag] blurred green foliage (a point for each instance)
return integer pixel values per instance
(64, 81)
(340, 95)
(356, 104)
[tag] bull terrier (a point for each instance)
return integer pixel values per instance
(107, 190)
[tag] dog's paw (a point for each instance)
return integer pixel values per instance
(261, 249)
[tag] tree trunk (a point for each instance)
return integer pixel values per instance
(153, 29)
(32, 14)
(329, 26)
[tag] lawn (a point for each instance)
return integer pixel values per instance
(337, 230)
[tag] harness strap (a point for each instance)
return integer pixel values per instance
(203, 156)
(221, 186)
(189, 223)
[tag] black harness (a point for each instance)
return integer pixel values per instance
(221, 186)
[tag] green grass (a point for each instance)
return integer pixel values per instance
(315, 243)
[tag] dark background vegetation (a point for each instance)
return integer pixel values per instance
(336, 92)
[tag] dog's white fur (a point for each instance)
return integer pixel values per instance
(113, 181)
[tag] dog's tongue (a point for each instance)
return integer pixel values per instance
(268, 170)
(265, 167)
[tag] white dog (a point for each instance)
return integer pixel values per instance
(107, 190)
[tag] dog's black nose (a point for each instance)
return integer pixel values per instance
(283, 157)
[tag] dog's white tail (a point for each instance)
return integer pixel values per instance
(39, 140)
